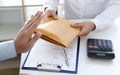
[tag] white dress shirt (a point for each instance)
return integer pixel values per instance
(7, 50)
(101, 12)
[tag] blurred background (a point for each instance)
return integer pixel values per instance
(13, 14)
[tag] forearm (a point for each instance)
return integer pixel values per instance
(108, 16)
(7, 50)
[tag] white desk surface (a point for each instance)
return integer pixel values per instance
(88, 66)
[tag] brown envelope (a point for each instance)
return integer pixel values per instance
(58, 31)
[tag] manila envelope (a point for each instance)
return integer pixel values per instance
(59, 32)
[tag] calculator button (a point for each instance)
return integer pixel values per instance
(100, 44)
(96, 44)
(91, 46)
(105, 44)
(90, 43)
(96, 47)
(109, 44)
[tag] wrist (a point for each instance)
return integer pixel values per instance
(18, 51)
(94, 26)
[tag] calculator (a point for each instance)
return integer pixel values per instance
(100, 48)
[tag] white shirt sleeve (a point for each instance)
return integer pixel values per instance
(51, 4)
(108, 16)
(103, 12)
(7, 50)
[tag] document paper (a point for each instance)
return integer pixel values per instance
(50, 55)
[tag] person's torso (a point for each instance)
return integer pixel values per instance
(84, 9)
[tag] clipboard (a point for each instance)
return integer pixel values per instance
(54, 62)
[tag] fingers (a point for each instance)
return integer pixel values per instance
(76, 25)
(34, 22)
(32, 18)
(84, 30)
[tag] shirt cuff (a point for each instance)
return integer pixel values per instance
(49, 6)
(7, 50)
(99, 24)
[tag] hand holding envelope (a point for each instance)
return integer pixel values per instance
(59, 32)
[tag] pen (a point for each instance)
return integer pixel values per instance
(66, 60)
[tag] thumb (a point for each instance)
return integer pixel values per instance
(55, 15)
(34, 39)
(82, 33)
